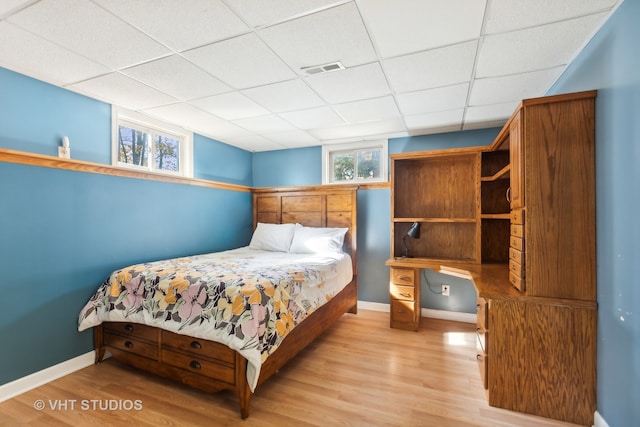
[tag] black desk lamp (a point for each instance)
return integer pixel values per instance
(414, 233)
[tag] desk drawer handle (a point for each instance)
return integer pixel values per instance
(128, 344)
(128, 327)
(196, 345)
(404, 277)
(195, 364)
(405, 294)
(479, 357)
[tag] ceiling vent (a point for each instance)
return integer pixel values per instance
(325, 68)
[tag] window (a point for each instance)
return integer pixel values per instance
(361, 162)
(142, 143)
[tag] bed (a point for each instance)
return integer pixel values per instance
(230, 320)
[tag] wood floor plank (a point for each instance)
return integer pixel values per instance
(359, 373)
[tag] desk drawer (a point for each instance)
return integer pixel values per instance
(516, 256)
(403, 276)
(483, 366)
(517, 216)
(406, 293)
(517, 230)
(516, 268)
(516, 243)
(403, 311)
(517, 281)
(482, 313)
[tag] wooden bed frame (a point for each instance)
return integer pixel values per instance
(213, 367)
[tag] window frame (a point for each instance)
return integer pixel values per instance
(140, 122)
(355, 147)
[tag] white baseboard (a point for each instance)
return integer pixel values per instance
(598, 421)
(454, 316)
(374, 306)
(24, 384)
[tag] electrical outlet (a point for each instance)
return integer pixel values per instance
(445, 290)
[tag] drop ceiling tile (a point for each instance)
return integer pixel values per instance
(509, 15)
(359, 130)
(269, 123)
(285, 96)
(496, 90)
(410, 26)
(293, 138)
(432, 100)
(335, 34)
(483, 125)
(199, 121)
(230, 106)
(122, 91)
(241, 62)
(89, 30)
(7, 7)
(180, 25)
(260, 12)
(490, 113)
(256, 143)
(440, 121)
(180, 112)
(177, 77)
(368, 110)
(352, 84)
(34, 56)
(433, 68)
(535, 48)
(312, 118)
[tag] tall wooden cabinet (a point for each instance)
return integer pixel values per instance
(518, 218)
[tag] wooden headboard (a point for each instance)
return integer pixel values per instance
(310, 206)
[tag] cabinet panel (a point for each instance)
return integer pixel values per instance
(543, 359)
(560, 200)
(516, 153)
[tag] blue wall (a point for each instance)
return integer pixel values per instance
(34, 116)
(64, 231)
(298, 166)
(302, 167)
(611, 64)
(216, 161)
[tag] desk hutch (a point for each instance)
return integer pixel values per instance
(517, 218)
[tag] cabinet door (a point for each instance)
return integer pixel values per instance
(516, 158)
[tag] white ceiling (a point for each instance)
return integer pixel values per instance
(232, 69)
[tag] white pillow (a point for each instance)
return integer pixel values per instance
(308, 240)
(272, 237)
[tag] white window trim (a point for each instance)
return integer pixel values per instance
(327, 150)
(119, 115)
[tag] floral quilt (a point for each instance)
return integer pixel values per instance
(246, 299)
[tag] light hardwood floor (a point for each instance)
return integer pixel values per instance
(359, 373)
